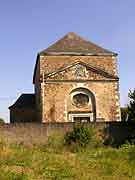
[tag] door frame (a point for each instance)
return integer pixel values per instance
(72, 115)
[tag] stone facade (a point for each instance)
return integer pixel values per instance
(73, 84)
(55, 90)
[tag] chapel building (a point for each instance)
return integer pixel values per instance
(75, 80)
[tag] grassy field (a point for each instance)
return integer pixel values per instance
(56, 162)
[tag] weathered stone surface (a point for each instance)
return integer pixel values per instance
(37, 133)
(55, 90)
(89, 71)
(52, 63)
(79, 71)
(57, 102)
(55, 96)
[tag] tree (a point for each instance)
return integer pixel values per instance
(131, 105)
(2, 121)
(124, 113)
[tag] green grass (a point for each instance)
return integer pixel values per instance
(54, 161)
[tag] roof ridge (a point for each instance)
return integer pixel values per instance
(74, 44)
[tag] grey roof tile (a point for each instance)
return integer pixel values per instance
(75, 45)
(24, 101)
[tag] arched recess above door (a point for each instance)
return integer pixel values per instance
(82, 99)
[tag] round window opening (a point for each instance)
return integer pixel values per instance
(80, 100)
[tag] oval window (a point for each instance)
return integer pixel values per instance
(80, 99)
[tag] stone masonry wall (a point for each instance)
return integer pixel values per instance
(57, 95)
(36, 133)
(20, 115)
(53, 96)
(51, 63)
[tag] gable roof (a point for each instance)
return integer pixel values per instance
(92, 68)
(73, 44)
(25, 100)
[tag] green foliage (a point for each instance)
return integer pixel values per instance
(131, 106)
(19, 162)
(2, 121)
(8, 175)
(114, 142)
(128, 112)
(128, 150)
(55, 142)
(81, 136)
(124, 113)
(131, 154)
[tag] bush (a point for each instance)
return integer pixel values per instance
(80, 136)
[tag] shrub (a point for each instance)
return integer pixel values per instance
(81, 136)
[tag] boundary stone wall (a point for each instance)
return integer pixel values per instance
(37, 133)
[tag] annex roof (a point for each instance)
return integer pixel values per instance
(25, 100)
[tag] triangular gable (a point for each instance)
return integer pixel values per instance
(79, 70)
(73, 44)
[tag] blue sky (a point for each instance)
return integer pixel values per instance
(28, 26)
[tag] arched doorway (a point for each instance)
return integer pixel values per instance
(82, 105)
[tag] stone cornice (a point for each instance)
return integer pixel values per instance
(78, 81)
